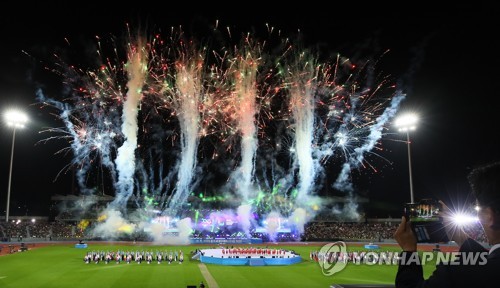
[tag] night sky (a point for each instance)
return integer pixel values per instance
(447, 61)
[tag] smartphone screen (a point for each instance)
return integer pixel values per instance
(424, 211)
(426, 222)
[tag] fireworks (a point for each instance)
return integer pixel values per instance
(174, 117)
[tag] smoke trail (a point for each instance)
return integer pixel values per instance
(153, 191)
(185, 229)
(186, 102)
(349, 211)
(244, 218)
(245, 95)
(125, 160)
(86, 140)
(302, 107)
(273, 224)
(76, 145)
(342, 183)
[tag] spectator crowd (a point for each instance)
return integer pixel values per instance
(314, 231)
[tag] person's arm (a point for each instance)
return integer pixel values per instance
(405, 237)
(410, 272)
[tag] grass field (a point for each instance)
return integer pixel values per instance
(62, 266)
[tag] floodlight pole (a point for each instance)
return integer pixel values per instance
(409, 167)
(10, 174)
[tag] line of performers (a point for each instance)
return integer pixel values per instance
(255, 251)
(134, 256)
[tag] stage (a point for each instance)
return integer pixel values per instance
(249, 257)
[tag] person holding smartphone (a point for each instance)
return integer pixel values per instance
(461, 272)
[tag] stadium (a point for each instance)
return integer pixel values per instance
(36, 252)
(221, 156)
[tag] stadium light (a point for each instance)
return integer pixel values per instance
(406, 123)
(464, 219)
(17, 120)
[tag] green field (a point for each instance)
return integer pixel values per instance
(62, 266)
